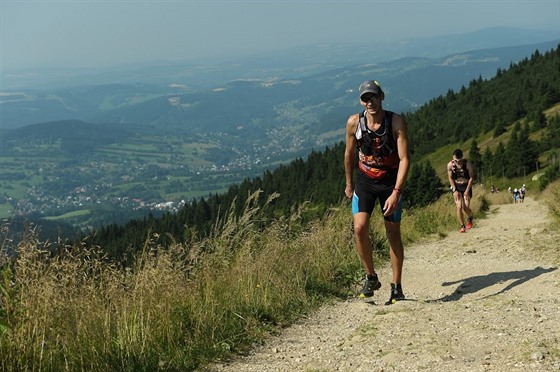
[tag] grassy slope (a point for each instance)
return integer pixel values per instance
(440, 157)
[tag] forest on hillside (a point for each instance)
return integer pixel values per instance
(526, 89)
(517, 96)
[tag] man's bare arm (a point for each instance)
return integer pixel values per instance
(350, 154)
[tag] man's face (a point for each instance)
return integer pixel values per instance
(371, 101)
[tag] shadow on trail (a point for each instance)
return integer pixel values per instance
(387, 303)
(479, 282)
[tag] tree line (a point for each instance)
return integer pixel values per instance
(526, 89)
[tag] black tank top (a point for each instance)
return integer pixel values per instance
(460, 172)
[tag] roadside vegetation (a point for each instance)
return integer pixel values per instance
(182, 306)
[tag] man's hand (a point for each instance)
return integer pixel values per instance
(391, 204)
(349, 191)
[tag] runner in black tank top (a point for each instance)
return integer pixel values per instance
(461, 176)
(378, 140)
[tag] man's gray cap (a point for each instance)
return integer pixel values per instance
(370, 86)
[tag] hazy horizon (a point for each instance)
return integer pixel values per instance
(77, 34)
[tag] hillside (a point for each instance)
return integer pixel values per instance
(485, 300)
(268, 99)
(106, 174)
(516, 156)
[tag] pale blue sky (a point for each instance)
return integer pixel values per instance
(74, 33)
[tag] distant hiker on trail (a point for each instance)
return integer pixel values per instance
(522, 191)
(515, 195)
(380, 138)
(460, 173)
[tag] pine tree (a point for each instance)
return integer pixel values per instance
(423, 185)
(512, 156)
(527, 152)
(476, 159)
(499, 129)
(488, 166)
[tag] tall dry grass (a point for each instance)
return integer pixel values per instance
(178, 307)
(182, 306)
(551, 198)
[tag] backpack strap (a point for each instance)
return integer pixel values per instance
(363, 125)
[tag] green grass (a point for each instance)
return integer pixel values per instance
(329, 135)
(73, 214)
(6, 210)
(15, 190)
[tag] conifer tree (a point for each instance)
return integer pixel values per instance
(423, 185)
(412, 184)
(499, 160)
(527, 152)
(512, 155)
(499, 129)
(476, 159)
(488, 167)
(431, 184)
(538, 118)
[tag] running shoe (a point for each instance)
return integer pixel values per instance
(371, 284)
(396, 294)
(469, 223)
(463, 229)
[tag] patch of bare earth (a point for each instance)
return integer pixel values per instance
(486, 300)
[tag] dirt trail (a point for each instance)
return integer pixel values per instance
(486, 300)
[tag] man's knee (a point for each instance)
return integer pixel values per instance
(394, 236)
(360, 229)
(393, 230)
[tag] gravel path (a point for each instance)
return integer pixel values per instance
(486, 300)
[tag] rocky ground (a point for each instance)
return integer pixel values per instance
(486, 300)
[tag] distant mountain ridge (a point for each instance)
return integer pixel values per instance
(292, 62)
(414, 80)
